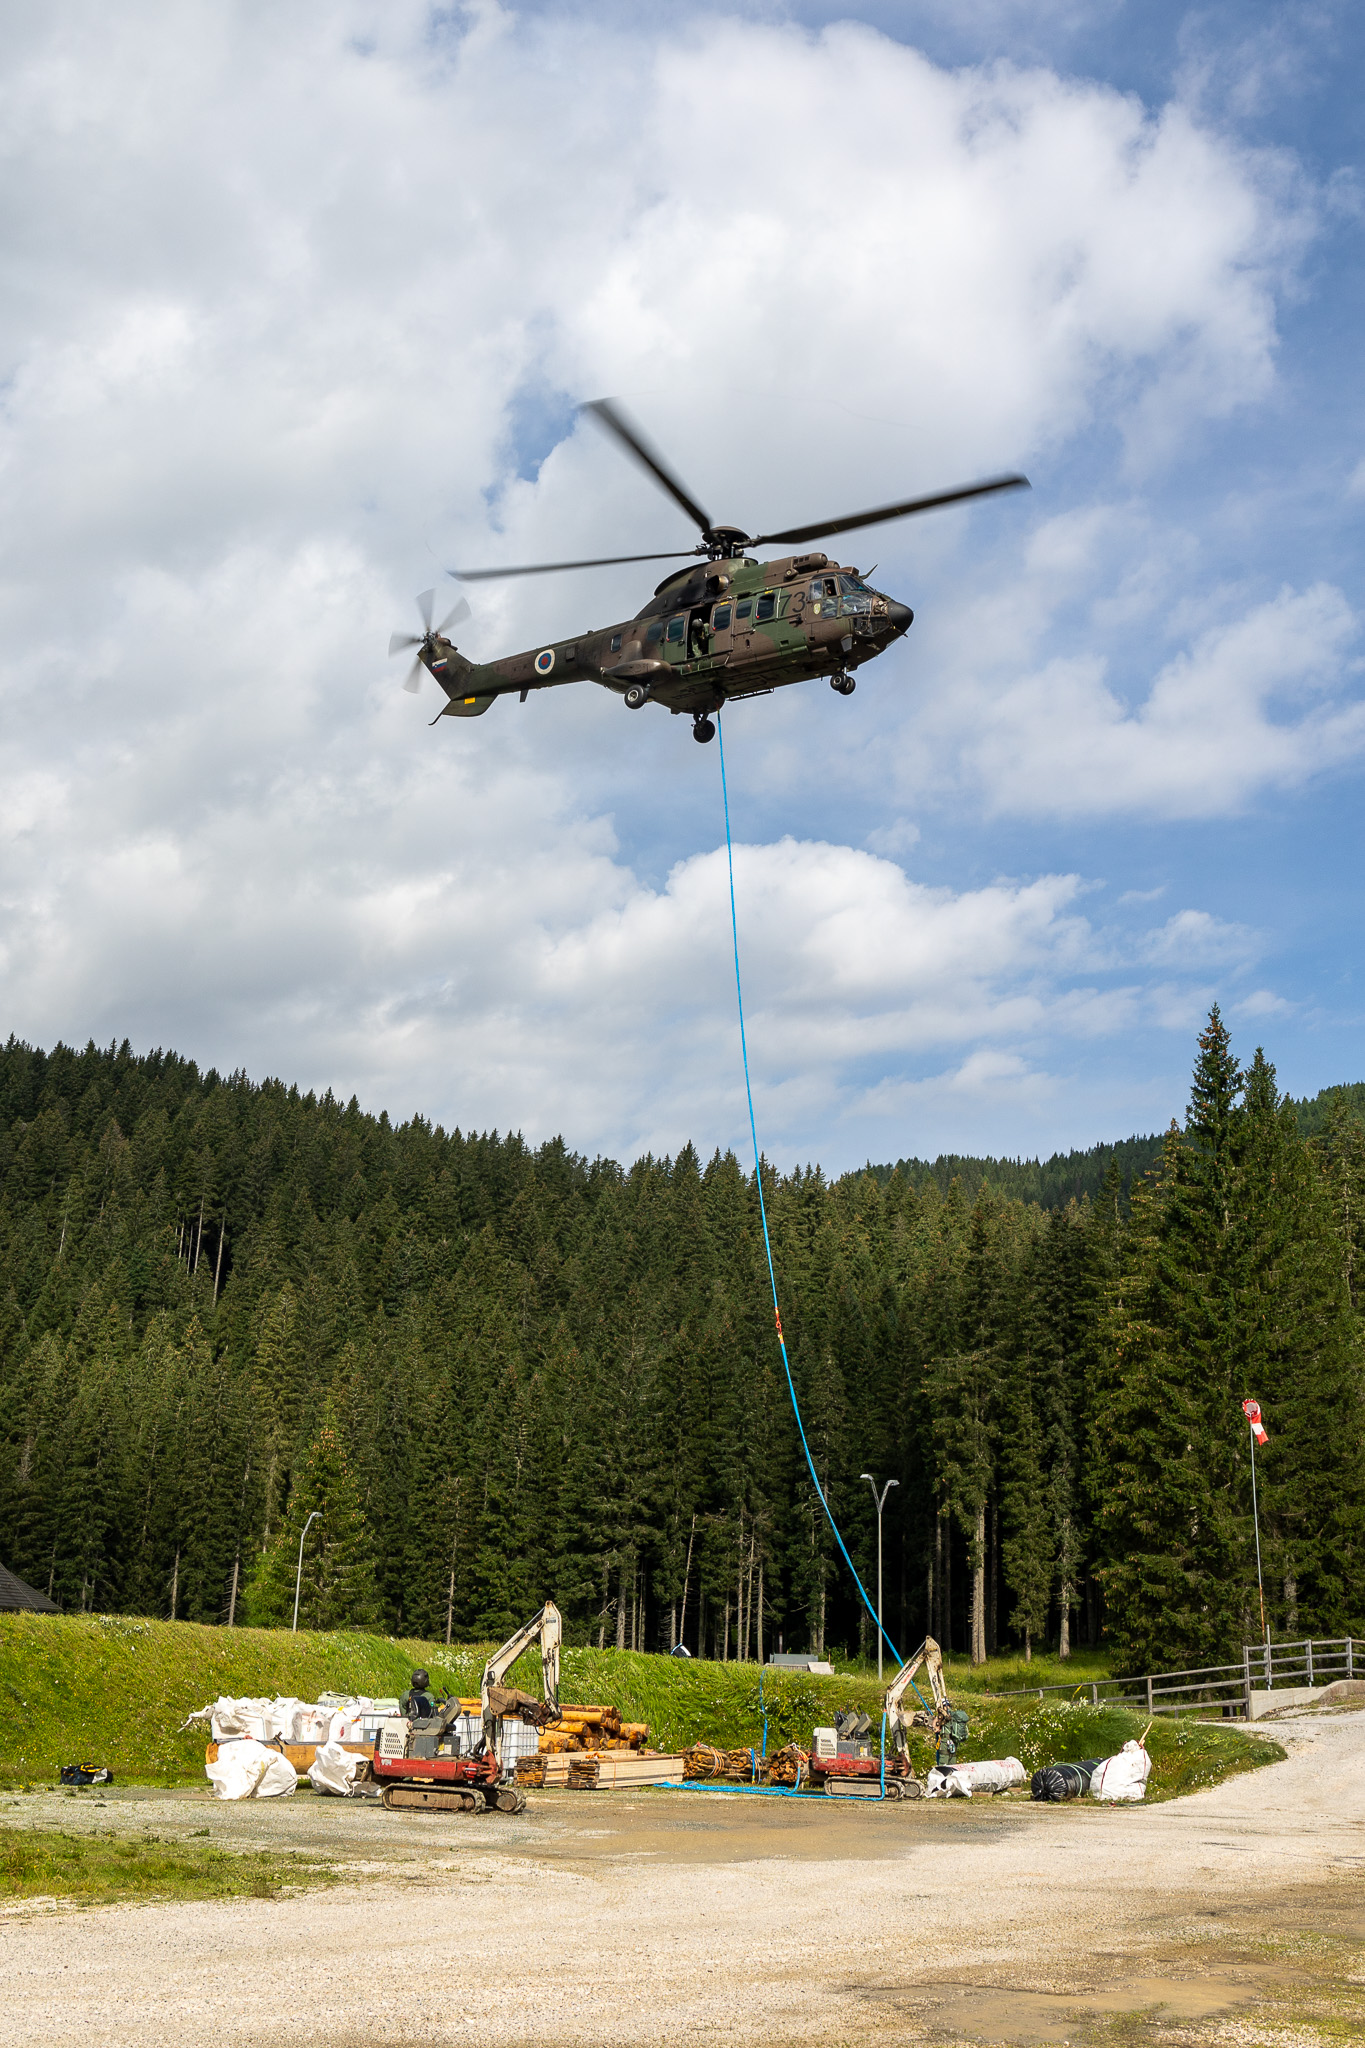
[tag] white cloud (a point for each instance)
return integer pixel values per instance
(276, 284)
(1261, 1003)
(1194, 939)
(1264, 702)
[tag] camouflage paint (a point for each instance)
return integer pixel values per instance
(706, 666)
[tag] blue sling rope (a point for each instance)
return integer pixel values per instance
(763, 1214)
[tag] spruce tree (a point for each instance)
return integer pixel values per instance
(337, 1586)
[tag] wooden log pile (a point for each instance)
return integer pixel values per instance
(740, 1766)
(788, 1765)
(592, 1728)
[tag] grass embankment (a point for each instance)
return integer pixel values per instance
(115, 1690)
(98, 1869)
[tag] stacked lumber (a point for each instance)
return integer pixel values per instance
(531, 1771)
(619, 1770)
(789, 1766)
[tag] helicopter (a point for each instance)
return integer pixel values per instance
(724, 628)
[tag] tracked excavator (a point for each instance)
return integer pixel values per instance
(451, 1764)
(847, 1760)
(946, 1723)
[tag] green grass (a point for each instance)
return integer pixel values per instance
(108, 1870)
(1004, 1673)
(115, 1690)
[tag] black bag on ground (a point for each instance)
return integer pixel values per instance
(1063, 1781)
(86, 1774)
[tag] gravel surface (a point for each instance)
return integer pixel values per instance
(657, 1917)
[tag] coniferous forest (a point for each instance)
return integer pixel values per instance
(497, 1374)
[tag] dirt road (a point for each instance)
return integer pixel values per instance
(1232, 1916)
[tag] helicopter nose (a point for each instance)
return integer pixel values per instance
(900, 616)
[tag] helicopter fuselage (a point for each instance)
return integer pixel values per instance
(712, 633)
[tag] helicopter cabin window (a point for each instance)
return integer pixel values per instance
(677, 627)
(824, 593)
(766, 606)
(616, 643)
(656, 631)
(743, 608)
(720, 618)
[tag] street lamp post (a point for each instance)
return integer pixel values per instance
(298, 1576)
(880, 1499)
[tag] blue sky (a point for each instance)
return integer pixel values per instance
(299, 311)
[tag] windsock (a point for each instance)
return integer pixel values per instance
(1252, 1412)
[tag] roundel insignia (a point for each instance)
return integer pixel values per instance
(545, 661)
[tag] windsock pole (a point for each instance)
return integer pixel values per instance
(1253, 1416)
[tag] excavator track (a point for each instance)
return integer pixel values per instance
(433, 1799)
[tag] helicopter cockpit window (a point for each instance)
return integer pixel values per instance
(720, 618)
(766, 606)
(857, 597)
(677, 627)
(824, 593)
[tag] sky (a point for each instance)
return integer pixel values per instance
(298, 306)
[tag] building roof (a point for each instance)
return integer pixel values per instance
(16, 1597)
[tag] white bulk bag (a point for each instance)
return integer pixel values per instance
(1123, 1776)
(963, 1781)
(248, 1770)
(333, 1769)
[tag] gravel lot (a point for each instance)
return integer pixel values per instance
(1231, 1916)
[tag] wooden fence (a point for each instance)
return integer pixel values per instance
(1227, 1687)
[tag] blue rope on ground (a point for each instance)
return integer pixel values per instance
(763, 1214)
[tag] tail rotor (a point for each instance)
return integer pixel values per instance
(423, 642)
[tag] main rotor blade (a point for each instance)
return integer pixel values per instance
(547, 568)
(398, 641)
(456, 617)
(412, 681)
(425, 601)
(831, 526)
(611, 415)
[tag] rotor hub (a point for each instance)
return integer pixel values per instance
(725, 543)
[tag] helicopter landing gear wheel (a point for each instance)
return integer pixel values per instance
(845, 685)
(703, 729)
(636, 695)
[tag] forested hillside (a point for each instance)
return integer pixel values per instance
(1072, 1176)
(502, 1373)
(1051, 1183)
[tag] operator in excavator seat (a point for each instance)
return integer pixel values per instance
(418, 1704)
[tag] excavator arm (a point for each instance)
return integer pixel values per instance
(547, 1628)
(929, 1659)
(495, 1698)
